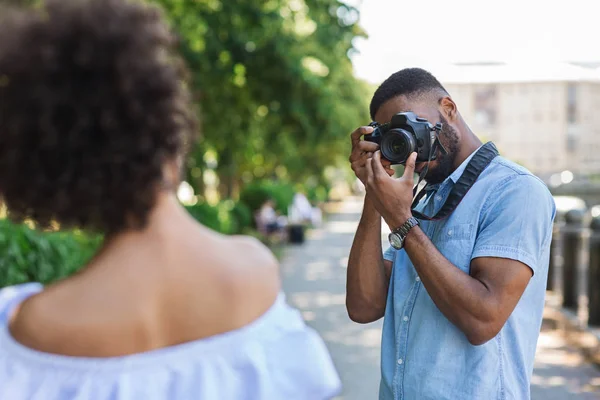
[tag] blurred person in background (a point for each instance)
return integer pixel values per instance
(94, 122)
(462, 295)
(301, 208)
(269, 222)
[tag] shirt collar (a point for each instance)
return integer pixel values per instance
(455, 176)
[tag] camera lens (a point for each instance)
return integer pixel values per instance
(397, 145)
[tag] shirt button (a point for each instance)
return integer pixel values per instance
(450, 233)
(400, 361)
(418, 279)
(438, 198)
(405, 318)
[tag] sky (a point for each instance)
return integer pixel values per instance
(428, 33)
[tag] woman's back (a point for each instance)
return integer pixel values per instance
(206, 327)
(94, 123)
(172, 286)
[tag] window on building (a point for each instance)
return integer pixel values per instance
(485, 105)
(572, 103)
(571, 143)
(523, 88)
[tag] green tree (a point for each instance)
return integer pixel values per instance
(274, 83)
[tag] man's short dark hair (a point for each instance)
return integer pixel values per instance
(410, 82)
(92, 108)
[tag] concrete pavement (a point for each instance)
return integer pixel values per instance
(314, 278)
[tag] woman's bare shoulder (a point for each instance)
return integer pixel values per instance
(254, 251)
(255, 280)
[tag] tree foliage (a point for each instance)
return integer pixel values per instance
(274, 87)
(274, 84)
(277, 98)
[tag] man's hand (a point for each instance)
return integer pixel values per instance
(391, 197)
(362, 151)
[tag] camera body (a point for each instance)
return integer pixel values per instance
(404, 134)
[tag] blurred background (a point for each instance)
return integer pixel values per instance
(280, 84)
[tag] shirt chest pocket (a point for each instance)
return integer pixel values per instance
(456, 232)
(456, 242)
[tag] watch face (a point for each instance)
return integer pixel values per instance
(395, 241)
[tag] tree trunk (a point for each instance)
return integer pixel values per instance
(226, 171)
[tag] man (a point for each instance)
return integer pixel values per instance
(463, 297)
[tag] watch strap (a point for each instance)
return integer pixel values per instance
(406, 227)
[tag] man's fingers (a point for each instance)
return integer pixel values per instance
(378, 169)
(409, 168)
(358, 164)
(363, 130)
(387, 164)
(369, 169)
(360, 157)
(363, 145)
(361, 149)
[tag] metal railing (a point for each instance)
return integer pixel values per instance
(574, 269)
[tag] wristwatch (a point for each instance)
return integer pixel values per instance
(397, 236)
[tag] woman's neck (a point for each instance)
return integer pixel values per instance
(168, 225)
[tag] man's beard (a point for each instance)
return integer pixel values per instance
(444, 162)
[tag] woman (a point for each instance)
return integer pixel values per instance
(94, 120)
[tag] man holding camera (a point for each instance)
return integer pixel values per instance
(462, 284)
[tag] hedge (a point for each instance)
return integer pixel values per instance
(255, 194)
(29, 255)
(226, 217)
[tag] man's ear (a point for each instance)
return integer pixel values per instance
(448, 108)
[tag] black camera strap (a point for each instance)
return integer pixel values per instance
(479, 162)
(436, 144)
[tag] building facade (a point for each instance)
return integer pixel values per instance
(546, 118)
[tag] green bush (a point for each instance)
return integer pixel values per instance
(214, 217)
(226, 217)
(242, 218)
(255, 194)
(32, 256)
(318, 194)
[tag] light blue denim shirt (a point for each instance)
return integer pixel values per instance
(507, 213)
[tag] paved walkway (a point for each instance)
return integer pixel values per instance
(314, 278)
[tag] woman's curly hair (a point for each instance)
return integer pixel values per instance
(93, 104)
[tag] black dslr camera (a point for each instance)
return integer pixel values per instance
(404, 134)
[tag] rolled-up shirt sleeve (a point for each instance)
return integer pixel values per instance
(516, 221)
(389, 254)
